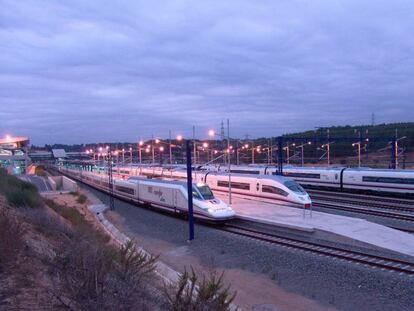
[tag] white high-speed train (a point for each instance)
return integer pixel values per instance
(339, 178)
(161, 194)
(273, 189)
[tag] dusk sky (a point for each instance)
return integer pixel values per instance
(88, 71)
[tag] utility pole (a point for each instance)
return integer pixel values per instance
(228, 149)
(252, 152)
(268, 152)
(287, 153)
(280, 155)
(195, 147)
(328, 149)
(140, 143)
(111, 182)
(271, 150)
(170, 146)
(190, 192)
(152, 147)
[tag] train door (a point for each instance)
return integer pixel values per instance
(257, 186)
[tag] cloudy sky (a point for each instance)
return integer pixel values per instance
(84, 71)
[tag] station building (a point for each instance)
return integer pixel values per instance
(14, 154)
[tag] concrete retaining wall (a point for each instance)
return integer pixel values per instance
(69, 184)
(62, 183)
(52, 183)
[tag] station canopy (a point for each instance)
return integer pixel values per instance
(59, 153)
(14, 142)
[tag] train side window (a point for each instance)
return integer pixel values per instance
(125, 189)
(389, 180)
(236, 185)
(196, 194)
(274, 190)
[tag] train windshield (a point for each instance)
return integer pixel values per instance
(204, 191)
(294, 186)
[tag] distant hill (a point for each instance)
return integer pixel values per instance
(378, 136)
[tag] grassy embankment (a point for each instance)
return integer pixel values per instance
(59, 260)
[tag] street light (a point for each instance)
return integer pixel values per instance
(328, 151)
(359, 152)
(212, 133)
(140, 144)
(301, 146)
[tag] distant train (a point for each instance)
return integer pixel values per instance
(272, 189)
(165, 195)
(362, 179)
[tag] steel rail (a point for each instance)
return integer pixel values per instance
(385, 263)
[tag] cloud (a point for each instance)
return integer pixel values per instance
(80, 71)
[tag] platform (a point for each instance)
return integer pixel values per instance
(356, 229)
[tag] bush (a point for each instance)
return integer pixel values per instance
(100, 278)
(81, 199)
(190, 294)
(19, 193)
(11, 237)
(75, 218)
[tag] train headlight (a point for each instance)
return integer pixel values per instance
(210, 210)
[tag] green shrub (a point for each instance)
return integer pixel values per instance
(81, 199)
(18, 192)
(11, 237)
(77, 220)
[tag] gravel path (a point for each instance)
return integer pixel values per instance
(267, 277)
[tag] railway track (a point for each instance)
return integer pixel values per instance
(380, 262)
(362, 197)
(365, 203)
(365, 211)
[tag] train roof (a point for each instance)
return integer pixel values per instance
(315, 168)
(379, 170)
(161, 181)
(273, 177)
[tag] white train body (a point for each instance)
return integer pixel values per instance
(273, 189)
(161, 194)
(376, 180)
(379, 180)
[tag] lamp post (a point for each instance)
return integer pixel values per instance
(212, 133)
(152, 148)
(194, 146)
(359, 152)
(116, 152)
(130, 155)
(161, 151)
(328, 151)
(190, 192)
(169, 134)
(287, 148)
(252, 152)
(123, 156)
(140, 144)
(179, 139)
(302, 157)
